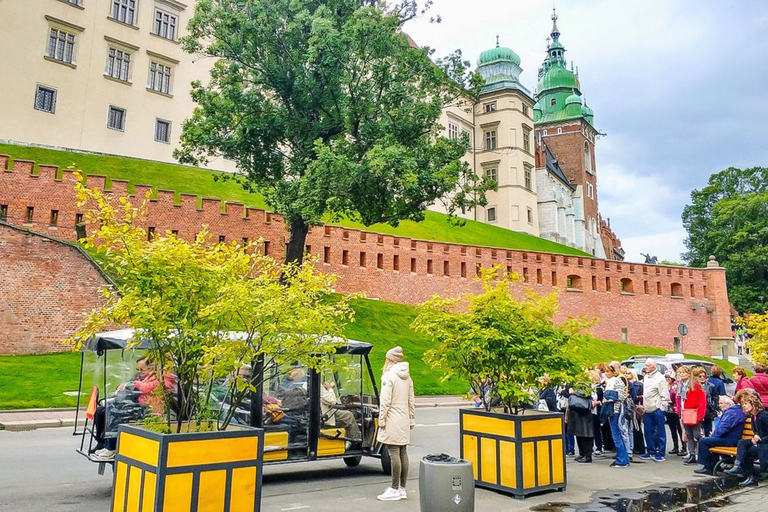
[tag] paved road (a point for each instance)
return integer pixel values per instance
(40, 471)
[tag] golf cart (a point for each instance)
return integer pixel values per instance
(306, 414)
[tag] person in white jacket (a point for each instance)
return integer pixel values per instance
(655, 400)
(397, 417)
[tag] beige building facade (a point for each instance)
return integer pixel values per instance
(500, 129)
(107, 76)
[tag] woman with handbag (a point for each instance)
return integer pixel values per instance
(694, 411)
(613, 407)
(580, 424)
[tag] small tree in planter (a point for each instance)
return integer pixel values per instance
(496, 338)
(186, 298)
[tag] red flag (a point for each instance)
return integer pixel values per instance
(90, 411)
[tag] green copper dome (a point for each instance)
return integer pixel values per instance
(558, 77)
(498, 54)
(586, 111)
(573, 98)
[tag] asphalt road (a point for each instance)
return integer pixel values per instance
(40, 472)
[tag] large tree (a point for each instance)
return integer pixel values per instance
(328, 110)
(729, 219)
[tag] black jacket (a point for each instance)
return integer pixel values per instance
(760, 426)
(548, 395)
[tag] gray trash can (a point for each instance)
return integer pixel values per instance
(446, 484)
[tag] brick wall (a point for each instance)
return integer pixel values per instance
(47, 287)
(654, 301)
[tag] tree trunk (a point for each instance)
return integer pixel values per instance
(294, 250)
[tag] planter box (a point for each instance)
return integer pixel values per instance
(200, 471)
(517, 454)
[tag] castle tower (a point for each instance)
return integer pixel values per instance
(565, 124)
(504, 146)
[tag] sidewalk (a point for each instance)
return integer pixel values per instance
(31, 419)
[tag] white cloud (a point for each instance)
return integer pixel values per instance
(666, 245)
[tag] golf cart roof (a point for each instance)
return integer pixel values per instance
(120, 339)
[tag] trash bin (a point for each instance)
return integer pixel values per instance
(446, 484)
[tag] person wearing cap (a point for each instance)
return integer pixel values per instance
(397, 417)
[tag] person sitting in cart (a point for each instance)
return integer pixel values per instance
(334, 417)
(129, 404)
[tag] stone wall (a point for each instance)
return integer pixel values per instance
(642, 304)
(47, 287)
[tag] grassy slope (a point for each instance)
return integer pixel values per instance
(197, 181)
(40, 381)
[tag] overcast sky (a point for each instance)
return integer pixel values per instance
(678, 86)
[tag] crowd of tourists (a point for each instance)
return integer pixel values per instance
(629, 415)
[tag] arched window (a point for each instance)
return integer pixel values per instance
(587, 158)
(627, 286)
(676, 289)
(573, 282)
(553, 102)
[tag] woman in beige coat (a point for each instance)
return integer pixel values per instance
(396, 420)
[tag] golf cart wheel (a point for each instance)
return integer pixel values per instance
(353, 462)
(386, 462)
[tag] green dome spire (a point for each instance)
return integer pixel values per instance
(500, 68)
(498, 54)
(559, 91)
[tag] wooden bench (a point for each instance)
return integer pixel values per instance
(728, 453)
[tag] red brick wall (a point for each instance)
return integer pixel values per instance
(47, 287)
(650, 318)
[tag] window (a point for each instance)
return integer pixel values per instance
(490, 214)
(124, 11)
(573, 282)
(61, 45)
(627, 286)
(453, 131)
(74, 2)
(491, 174)
(490, 140)
(362, 259)
(54, 217)
(159, 78)
(3, 212)
(590, 191)
(118, 64)
(528, 177)
(545, 132)
(380, 261)
(525, 110)
(165, 25)
(526, 140)
(530, 216)
(465, 133)
(676, 290)
(163, 131)
(430, 268)
(326, 254)
(413, 265)
(489, 107)
(396, 262)
(45, 99)
(587, 158)
(116, 118)
(553, 102)
(345, 257)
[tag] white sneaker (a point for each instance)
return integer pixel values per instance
(403, 493)
(390, 494)
(104, 454)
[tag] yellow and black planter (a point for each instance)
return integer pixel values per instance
(201, 471)
(519, 454)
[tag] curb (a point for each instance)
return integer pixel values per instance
(463, 403)
(24, 426)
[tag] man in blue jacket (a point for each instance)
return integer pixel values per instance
(727, 433)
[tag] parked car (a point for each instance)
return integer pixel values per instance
(675, 361)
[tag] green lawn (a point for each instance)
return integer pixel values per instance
(40, 381)
(192, 180)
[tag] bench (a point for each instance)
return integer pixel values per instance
(728, 453)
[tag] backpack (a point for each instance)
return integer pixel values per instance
(713, 400)
(629, 404)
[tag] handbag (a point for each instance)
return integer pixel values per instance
(690, 417)
(579, 403)
(275, 413)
